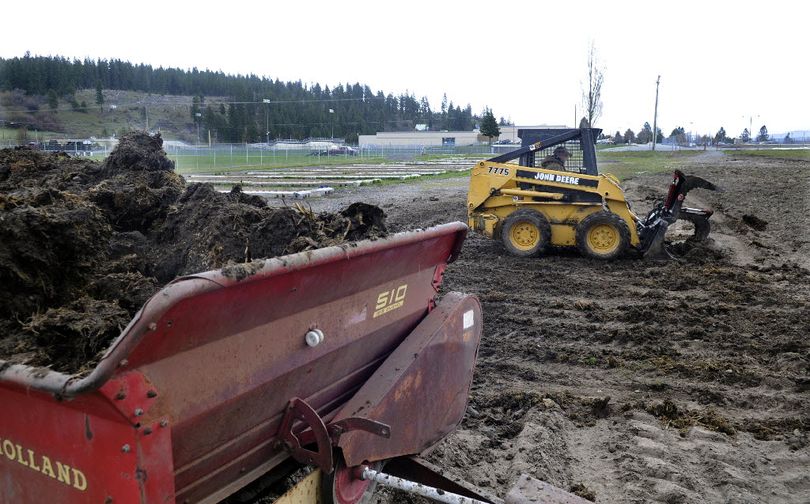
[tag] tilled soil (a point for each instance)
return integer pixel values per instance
(638, 381)
(83, 244)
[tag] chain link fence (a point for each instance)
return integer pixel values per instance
(215, 157)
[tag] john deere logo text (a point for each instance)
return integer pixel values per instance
(62, 473)
(390, 300)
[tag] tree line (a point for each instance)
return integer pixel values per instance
(255, 107)
(679, 136)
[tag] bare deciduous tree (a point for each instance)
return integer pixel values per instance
(592, 90)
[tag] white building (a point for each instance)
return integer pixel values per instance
(440, 138)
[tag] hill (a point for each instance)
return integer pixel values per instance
(86, 97)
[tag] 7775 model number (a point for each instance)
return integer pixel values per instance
(498, 171)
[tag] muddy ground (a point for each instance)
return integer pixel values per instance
(634, 381)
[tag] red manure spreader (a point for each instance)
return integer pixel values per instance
(338, 359)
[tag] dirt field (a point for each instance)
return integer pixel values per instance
(635, 381)
(628, 381)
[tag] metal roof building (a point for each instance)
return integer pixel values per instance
(440, 138)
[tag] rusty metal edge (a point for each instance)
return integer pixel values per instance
(66, 386)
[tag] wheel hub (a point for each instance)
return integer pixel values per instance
(603, 238)
(348, 487)
(525, 235)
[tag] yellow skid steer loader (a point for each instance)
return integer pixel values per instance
(556, 198)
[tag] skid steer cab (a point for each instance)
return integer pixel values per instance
(555, 196)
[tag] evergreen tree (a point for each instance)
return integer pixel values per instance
(99, 95)
(195, 109)
(489, 126)
(763, 134)
(629, 136)
(53, 100)
(745, 137)
(721, 136)
(645, 135)
(678, 135)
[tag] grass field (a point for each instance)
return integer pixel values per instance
(225, 161)
(11, 135)
(626, 164)
(791, 154)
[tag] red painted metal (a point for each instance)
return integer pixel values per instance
(347, 488)
(299, 410)
(317, 432)
(433, 366)
(80, 451)
(186, 403)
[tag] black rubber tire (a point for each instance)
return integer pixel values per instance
(534, 218)
(602, 219)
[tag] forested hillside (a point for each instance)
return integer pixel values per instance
(246, 106)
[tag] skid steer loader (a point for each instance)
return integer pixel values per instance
(530, 208)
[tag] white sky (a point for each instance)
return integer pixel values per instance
(720, 62)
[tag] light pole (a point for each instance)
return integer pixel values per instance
(197, 116)
(332, 114)
(655, 115)
(751, 127)
(266, 119)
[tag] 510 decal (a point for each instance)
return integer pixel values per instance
(390, 300)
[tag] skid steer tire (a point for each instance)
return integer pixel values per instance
(526, 233)
(602, 235)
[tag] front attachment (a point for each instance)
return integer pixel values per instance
(700, 219)
(653, 229)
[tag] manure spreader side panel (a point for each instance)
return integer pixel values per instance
(186, 404)
(79, 451)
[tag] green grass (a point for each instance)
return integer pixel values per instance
(446, 175)
(12, 135)
(625, 165)
(452, 157)
(224, 162)
(795, 154)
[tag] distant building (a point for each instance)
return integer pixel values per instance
(440, 138)
(420, 138)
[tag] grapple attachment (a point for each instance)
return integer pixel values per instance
(654, 227)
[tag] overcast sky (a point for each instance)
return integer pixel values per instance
(721, 63)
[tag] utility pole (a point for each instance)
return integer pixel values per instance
(575, 115)
(266, 119)
(655, 116)
(332, 114)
